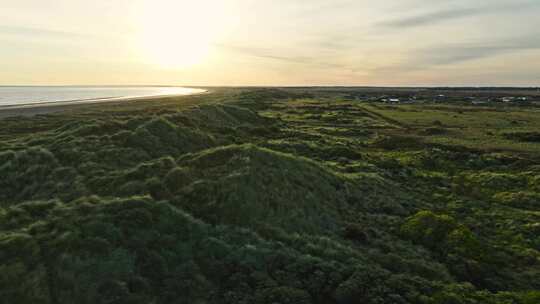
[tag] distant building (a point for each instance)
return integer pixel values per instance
(383, 98)
(440, 97)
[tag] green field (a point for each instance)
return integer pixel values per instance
(271, 196)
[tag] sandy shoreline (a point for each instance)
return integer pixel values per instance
(60, 106)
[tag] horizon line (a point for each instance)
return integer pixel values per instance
(275, 86)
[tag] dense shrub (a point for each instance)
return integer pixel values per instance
(398, 143)
(522, 199)
(434, 131)
(263, 198)
(429, 229)
(523, 136)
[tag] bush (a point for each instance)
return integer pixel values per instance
(522, 199)
(366, 285)
(399, 143)
(177, 178)
(356, 233)
(429, 229)
(434, 131)
(533, 137)
(284, 295)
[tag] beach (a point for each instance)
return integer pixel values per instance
(30, 109)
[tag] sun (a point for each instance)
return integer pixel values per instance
(174, 49)
(179, 34)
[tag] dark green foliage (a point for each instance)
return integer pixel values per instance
(429, 229)
(523, 136)
(177, 178)
(265, 196)
(398, 143)
(247, 185)
(434, 131)
(357, 233)
(455, 244)
(524, 200)
(160, 137)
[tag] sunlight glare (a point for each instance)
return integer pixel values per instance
(180, 34)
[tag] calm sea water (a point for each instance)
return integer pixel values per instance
(22, 95)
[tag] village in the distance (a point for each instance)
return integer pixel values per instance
(462, 96)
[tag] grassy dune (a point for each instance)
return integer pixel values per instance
(271, 196)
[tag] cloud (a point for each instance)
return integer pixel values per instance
(325, 7)
(457, 53)
(38, 32)
(274, 55)
(456, 13)
(430, 18)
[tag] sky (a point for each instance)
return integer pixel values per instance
(270, 42)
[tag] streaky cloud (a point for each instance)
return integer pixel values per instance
(455, 13)
(38, 32)
(430, 18)
(271, 54)
(457, 53)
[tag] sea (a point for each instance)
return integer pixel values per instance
(33, 95)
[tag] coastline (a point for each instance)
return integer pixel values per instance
(42, 108)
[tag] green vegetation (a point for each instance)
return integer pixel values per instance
(271, 196)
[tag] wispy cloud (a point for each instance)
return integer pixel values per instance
(457, 53)
(442, 15)
(324, 7)
(38, 32)
(430, 18)
(274, 54)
